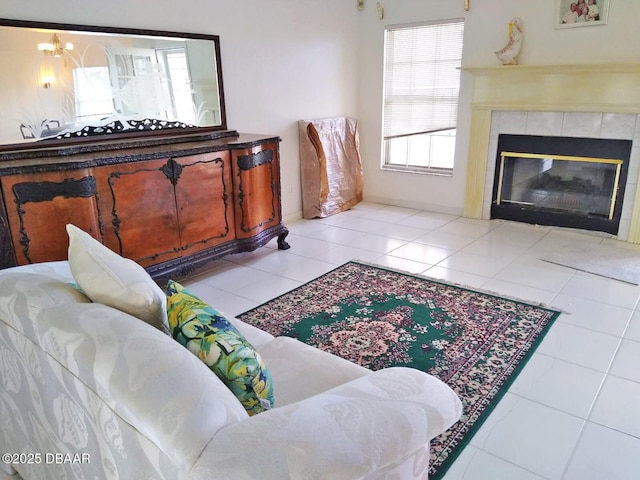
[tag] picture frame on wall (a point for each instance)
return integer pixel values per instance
(581, 13)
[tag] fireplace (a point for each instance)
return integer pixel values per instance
(549, 100)
(561, 181)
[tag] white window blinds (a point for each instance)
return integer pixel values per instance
(422, 78)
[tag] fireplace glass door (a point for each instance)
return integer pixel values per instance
(562, 181)
(581, 185)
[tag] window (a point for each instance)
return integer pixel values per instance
(177, 68)
(93, 93)
(421, 86)
(163, 75)
(140, 84)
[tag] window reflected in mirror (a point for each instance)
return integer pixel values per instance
(67, 82)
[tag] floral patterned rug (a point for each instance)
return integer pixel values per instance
(475, 342)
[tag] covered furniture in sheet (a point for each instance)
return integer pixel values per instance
(330, 165)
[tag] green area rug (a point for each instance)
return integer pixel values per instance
(475, 342)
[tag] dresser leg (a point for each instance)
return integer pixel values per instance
(282, 245)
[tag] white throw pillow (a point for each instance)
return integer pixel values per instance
(107, 278)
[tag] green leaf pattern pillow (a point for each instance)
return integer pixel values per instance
(213, 339)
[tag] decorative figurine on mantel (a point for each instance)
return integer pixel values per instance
(509, 54)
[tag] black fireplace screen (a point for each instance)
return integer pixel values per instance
(586, 186)
(571, 182)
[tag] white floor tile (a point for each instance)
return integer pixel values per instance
(244, 258)
(468, 228)
(633, 331)
(330, 220)
(442, 217)
(307, 246)
(337, 235)
(605, 290)
(558, 384)
(536, 274)
(421, 253)
(593, 314)
(267, 288)
(233, 277)
(559, 238)
(484, 466)
(365, 207)
(224, 302)
(377, 243)
(563, 237)
(391, 214)
(487, 248)
(363, 225)
(402, 264)
(201, 289)
(580, 346)
(405, 211)
(454, 276)
(521, 236)
(533, 436)
(460, 466)
(426, 222)
(305, 227)
(617, 406)
(307, 270)
(403, 232)
(438, 238)
(205, 271)
(474, 263)
(602, 454)
(519, 292)
(627, 361)
(272, 261)
(344, 253)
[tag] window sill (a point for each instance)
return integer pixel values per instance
(438, 172)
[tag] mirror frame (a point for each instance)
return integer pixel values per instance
(213, 131)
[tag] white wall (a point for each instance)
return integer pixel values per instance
(485, 32)
(286, 60)
(282, 60)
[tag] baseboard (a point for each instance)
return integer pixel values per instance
(291, 217)
(429, 207)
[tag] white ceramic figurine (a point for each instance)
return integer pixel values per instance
(509, 54)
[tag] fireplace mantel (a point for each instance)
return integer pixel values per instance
(602, 88)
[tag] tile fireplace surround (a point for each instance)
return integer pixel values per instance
(593, 101)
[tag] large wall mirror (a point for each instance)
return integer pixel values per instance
(62, 83)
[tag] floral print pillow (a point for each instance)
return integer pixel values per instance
(212, 338)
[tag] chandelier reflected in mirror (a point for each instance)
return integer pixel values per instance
(55, 48)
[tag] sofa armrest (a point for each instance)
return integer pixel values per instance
(347, 432)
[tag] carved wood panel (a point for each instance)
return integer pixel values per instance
(141, 219)
(204, 198)
(257, 189)
(58, 197)
(7, 257)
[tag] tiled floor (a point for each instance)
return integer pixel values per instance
(573, 413)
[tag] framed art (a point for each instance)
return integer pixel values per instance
(581, 13)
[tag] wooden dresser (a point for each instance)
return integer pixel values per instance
(172, 204)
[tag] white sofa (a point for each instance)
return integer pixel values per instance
(88, 391)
